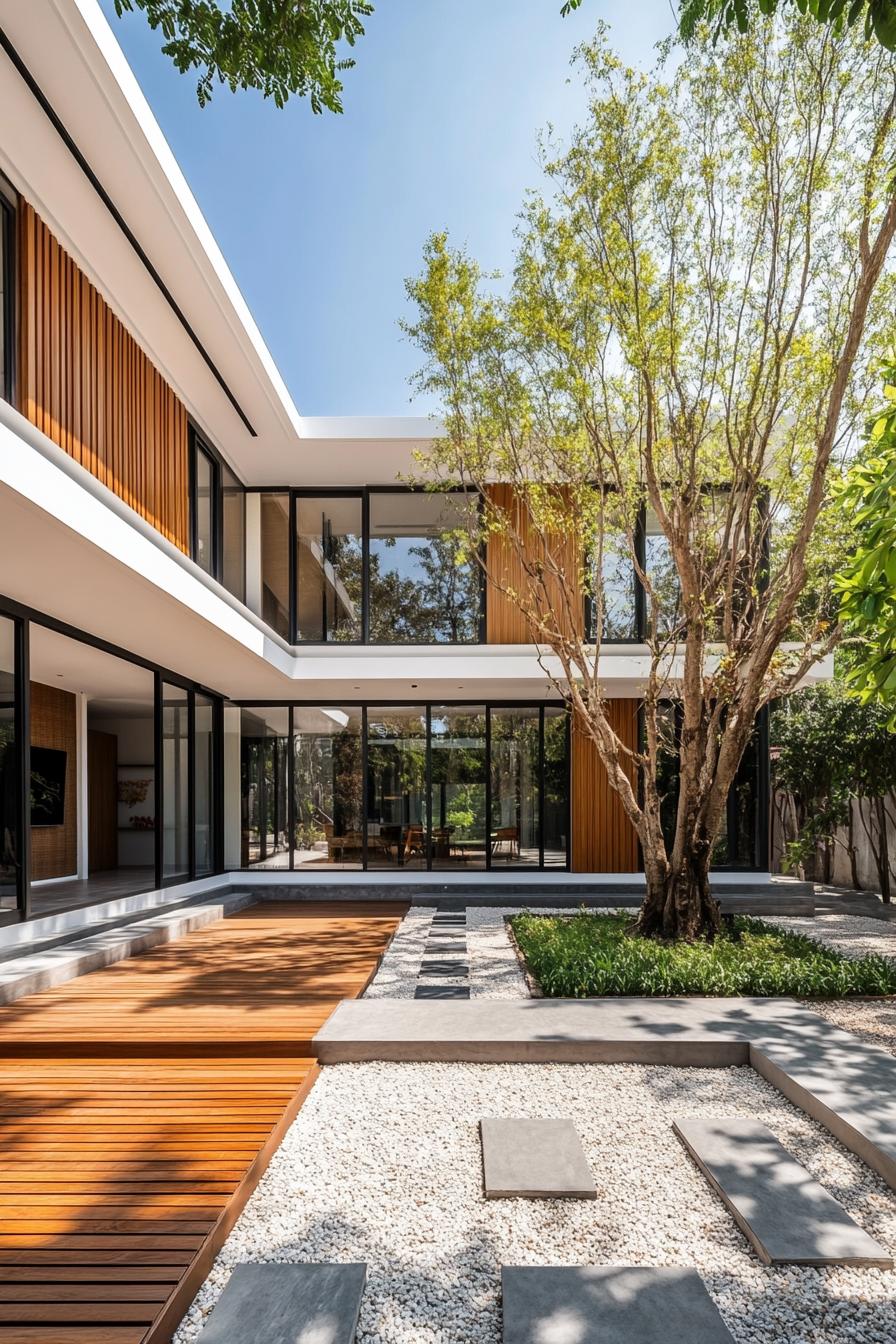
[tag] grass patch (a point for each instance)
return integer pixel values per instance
(591, 955)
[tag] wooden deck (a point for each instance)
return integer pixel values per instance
(140, 1105)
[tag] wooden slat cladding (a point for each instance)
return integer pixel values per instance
(84, 381)
(54, 849)
(505, 622)
(603, 840)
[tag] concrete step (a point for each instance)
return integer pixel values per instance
(287, 1304)
(43, 966)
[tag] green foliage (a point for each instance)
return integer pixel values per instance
(877, 16)
(590, 955)
(867, 583)
(280, 47)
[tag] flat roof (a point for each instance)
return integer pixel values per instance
(63, 74)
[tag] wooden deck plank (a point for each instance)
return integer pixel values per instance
(140, 1105)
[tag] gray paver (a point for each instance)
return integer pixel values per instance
(282, 1304)
(457, 965)
(615, 1305)
(843, 1082)
(442, 992)
(534, 1159)
(788, 1216)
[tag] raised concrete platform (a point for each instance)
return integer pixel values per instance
(287, 1304)
(789, 1218)
(48, 966)
(608, 1305)
(534, 1159)
(846, 1084)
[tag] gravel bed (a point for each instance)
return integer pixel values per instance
(400, 967)
(383, 1165)
(851, 935)
(874, 1020)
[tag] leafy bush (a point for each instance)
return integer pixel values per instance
(590, 955)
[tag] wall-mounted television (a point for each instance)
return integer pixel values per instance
(48, 786)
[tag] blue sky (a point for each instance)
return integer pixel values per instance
(321, 219)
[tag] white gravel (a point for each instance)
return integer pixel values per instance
(400, 967)
(383, 1165)
(848, 934)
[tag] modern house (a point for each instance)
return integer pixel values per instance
(230, 638)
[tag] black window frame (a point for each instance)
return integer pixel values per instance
(427, 705)
(198, 444)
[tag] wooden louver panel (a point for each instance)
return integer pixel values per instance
(603, 840)
(505, 622)
(85, 382)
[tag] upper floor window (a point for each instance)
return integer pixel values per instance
(392, 579)
(217, 517)
(420, 593)
(7, 291)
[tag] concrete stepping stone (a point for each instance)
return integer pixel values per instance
(444, 966)
(788, 1216)
(442, 992)
(280, 1304)
(534, 1159)
(608, 1305)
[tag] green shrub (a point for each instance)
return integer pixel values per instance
(591, 955)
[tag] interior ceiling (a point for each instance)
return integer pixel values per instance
(117, 687)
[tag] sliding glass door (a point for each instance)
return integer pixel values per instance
(430, 788)
(12, 830)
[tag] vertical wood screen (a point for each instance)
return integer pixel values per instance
(505, 622)
(84, 381)
(603, 840)
(54, 849)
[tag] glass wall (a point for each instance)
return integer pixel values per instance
(233, 541)
(419, 593)
(275, 561)
(264, 787)
(328, 781)
(556, 786)
(10, 836)
(175, 783)
(329, 568)
(397, 816)
(204, 784)
(205, 500)
(660, 566)
(618, 584)
(422, 787)
(458, 787)
(516, 787)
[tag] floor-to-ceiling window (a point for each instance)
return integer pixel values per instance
(175, 712)
(265, 787)
(11, 830)
(205, 746)
(397, 816)
(516, 787)
(437, 787)
(419, 591)
(329, 568)
(328, 780)
(458, 775)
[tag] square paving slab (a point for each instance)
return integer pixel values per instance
(608, 1305)
(442, 992)
(284, 1304)
(534, 1159)
(789, 1217)
(444, 966)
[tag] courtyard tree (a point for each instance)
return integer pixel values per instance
(681, 352)
(877, 17)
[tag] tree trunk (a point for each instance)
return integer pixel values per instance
(679, 904)
(882, 853)
(851, 848)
